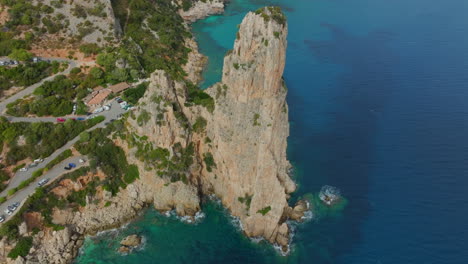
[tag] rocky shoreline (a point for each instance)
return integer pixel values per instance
(247, 132)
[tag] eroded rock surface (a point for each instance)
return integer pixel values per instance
(249, 128)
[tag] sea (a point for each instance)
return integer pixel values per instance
(378, 99)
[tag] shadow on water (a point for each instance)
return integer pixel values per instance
(341, 154)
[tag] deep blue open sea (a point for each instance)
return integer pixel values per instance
(378, 97)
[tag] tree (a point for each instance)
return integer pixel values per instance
(119, 75)
(22, 247)
(84, 136)
(20, 54)
(97, 73)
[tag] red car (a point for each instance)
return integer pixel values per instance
(60, 119)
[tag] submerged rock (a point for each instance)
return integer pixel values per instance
(329, 195)
(129, 243)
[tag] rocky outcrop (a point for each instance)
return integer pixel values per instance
(58, 247)
(249, 128)
(129, 243)
(201, 9)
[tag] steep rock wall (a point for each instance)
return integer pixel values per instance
(249, 128)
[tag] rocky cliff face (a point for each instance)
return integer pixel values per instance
(249, 128)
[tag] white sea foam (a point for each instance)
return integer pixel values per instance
(257, 240)
(236, 222)
(199, 216)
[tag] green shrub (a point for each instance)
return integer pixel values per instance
(255, 119)
(131, 174)
(38, 173)
(264, 210)
(20, 54)
(12, 191)
(199, 125)
(132, 95)
(209, 161)
(143, 118)
(186, 4)
(21, 248)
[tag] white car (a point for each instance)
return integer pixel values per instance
(2, 219)
(43, 182)
(38, 160)
(8, 212)
(81, 160)
(106, 108)
(23, 169)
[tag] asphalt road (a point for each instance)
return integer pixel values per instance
(21, 176)
(52, 174)
(58, 170)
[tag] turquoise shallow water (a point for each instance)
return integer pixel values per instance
(377, 97)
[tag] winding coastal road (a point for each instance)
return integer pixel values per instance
(58, 170)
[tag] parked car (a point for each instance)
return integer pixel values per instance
(8, 212)
(38, 160)
(80, 118)
(43, 182)
(2, 219)
(106, 108)
(70, 166)
(60, 119)
(32, 165)
(23, 169)
(82, 161)
(16, 204)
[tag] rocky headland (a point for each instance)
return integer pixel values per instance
(229, 141)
